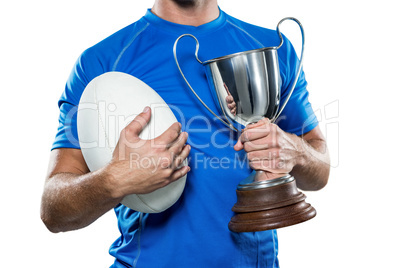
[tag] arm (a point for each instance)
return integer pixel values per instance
(312, 169)
(271, 149)
(73, 197)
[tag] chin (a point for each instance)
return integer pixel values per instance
(186, 3)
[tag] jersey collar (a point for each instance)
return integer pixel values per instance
(180, 28)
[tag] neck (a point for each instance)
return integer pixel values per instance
(187, 12)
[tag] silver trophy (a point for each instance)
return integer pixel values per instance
(246, 87)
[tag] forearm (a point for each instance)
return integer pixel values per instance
(312, 166)
(72, 201)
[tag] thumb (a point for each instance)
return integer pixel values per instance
(238, 146)
(140, 122)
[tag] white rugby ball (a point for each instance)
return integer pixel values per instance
(108, 103)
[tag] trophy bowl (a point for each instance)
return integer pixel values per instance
(246, 87)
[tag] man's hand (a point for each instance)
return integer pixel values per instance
(142, 166)
(230, 101)
(269, 148)
(73, 197)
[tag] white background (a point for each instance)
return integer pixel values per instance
(353, 65)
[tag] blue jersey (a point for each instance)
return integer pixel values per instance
(194, 231)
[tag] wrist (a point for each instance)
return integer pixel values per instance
(110, 181)
(300, 147)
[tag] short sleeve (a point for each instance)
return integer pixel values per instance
(298, 116)
(85, 69)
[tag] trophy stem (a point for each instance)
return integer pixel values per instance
(270, 204)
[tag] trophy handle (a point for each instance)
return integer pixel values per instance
(188, 84)
(300, 65)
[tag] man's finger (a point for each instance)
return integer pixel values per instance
(178, 161)
(260, 123)
(139, 122)
(178, 144)
(177, 174)
(170, 135)
(254, 134)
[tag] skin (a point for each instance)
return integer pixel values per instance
(73, 197)
(188, 12)
(271, 149)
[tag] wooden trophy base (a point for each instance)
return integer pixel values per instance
(268, 208)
